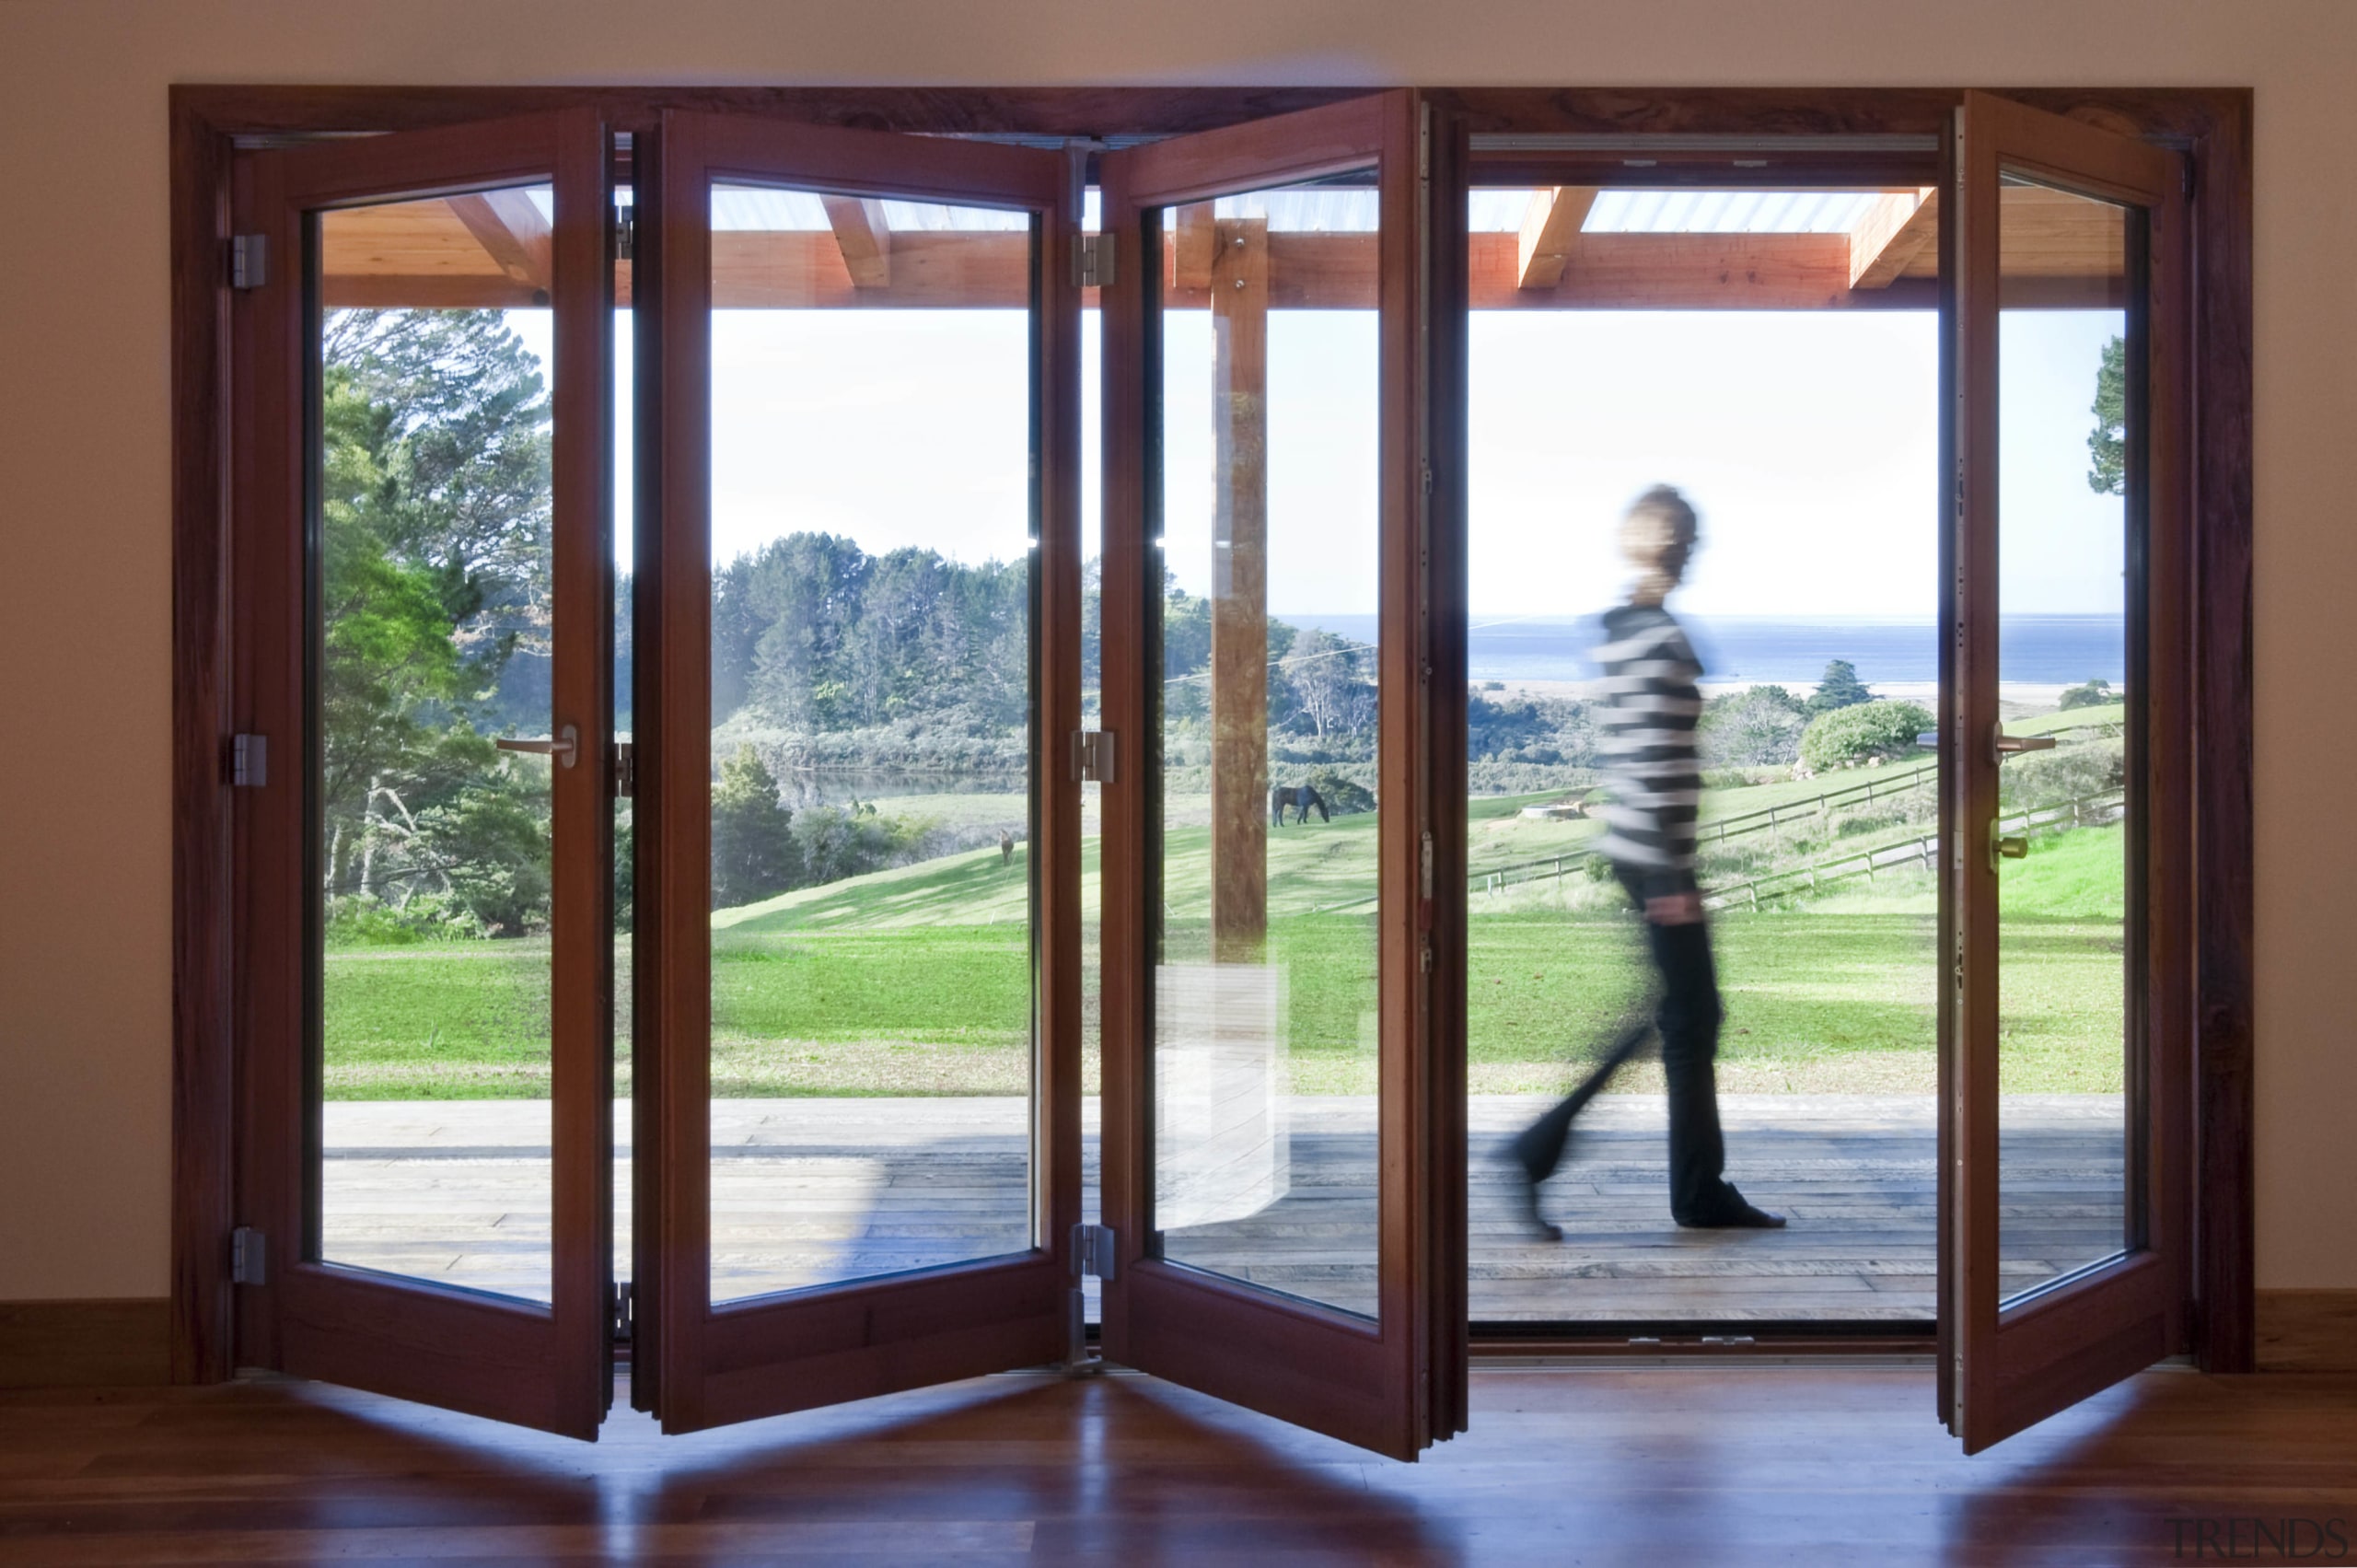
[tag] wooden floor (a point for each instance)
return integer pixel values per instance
(814, 1190)
(1656, 1467)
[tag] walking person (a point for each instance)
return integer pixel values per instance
(1654, 776)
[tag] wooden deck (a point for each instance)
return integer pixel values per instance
(811, 1191)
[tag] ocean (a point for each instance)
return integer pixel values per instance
(2040, 649)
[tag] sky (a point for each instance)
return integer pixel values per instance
(1808, 441)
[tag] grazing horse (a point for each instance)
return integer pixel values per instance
(1301, 797)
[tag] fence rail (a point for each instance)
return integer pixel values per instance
(2083, 811)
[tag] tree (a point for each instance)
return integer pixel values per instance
(434, 572)
(1864, 732)
(1758, 727)
(1322, 669)
(2095, 693)
(1839, 689)
(2107, 443)
(754, 853)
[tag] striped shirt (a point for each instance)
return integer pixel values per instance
(1646, 744)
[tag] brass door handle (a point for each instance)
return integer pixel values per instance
(2014, 849)
(565, 747)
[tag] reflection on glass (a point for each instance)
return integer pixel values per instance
(871, 710)
(1265, 985)
(2066, 343)
(432, 639)
(1808, 440)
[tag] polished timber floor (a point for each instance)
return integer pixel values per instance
(809, 1192)
(1685, 1466)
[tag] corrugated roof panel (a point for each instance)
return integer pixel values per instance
(1306, 211)
(1681, 210)
(746, 207)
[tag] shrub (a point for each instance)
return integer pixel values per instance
(2068, 772)
(2096, 693)
(1341, 795)
(1865, 732)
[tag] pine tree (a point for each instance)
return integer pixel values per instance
(1839, 689)
(753, 850)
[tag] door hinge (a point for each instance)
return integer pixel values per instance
(249, 261)
(248, 1257)
(625, 232)
(1092, 261)
(249, 762)
(1092, 756)
(626, 769)
(1093, 1252)
(619, 1306)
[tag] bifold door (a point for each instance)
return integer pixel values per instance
(2065, 1248)
(422, 574)
(1283, 1172)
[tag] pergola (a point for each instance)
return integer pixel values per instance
(1538, 250)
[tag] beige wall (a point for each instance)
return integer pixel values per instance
(84, 552)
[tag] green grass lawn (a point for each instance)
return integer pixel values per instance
(917, 980)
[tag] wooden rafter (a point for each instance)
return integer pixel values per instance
(508, 226)
(1548, 232)
(863, 238)
(1900, 227)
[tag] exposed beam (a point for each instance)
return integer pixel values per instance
(1192, 247)
(1896, 230)
(509, 227)
(1549, 230)
(864, 238)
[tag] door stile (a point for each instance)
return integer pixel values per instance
(581, 988)
(650, 898)
(674, 836)
(2014, 1363)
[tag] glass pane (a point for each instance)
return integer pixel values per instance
(1265, 985)
(431, 640)
(2070, 436)
(872, 517)
(1806, 439)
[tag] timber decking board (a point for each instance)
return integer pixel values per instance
(811, 1191)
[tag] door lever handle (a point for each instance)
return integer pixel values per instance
(2010, 745)
(565, 747)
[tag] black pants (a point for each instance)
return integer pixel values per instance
(1687, 1012)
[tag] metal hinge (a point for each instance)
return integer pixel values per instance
(1092, 756)
(249, 760)
(626, 769)
(1428, 476)
(249, 261)
(619, 1306)
(248, 1257)
(625, 232)
(1092, 261)
(1093, 1252)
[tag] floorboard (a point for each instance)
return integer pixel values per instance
(1701, 1465)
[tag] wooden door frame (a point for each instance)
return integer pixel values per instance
(2212, 125)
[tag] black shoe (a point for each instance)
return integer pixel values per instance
(1736, 1214)
(1527, 1183)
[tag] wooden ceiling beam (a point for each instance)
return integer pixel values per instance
(508, 226)
(1897, 230)
(1549, 229)
(863, 238)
